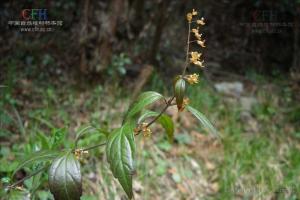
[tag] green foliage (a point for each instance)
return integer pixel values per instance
(40, 156)
(118, 64)
(58, 137)
(65, 177)
(204, 121)
(164, 120)
(142, 101)
(52, 148)
(120, 151)
(64, 173)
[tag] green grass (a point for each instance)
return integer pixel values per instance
(248, 165)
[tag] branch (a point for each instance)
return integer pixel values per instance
(162, 111)
(168, 104)
(93, 147)
(27, 177)
(187, 51)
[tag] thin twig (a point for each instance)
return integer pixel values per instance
(161, 112)
(93, 147)
(168, 104)
(27, 177)
(187, 51)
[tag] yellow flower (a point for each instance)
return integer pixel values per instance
(197, 34)
(201, 43)
(201, 21)
(79, 152)
(192, 79)
(143, 127)
(189, 17)
(199, 63)
(195, 56)
(195, 30)
(146, 130)
(194, 12)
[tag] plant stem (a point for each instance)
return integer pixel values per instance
(162, 111)
(187, 51)
(168, 104)
(27, 177)
(93, 147)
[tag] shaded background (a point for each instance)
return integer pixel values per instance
(107, 52)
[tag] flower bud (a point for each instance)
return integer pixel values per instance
(179, 92)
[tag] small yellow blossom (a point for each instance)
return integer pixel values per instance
(194, 30)
(79, 152)
(146, 130)
(195, 56)
(201, 43)
(189, 17)
(197, 34)
(201, 21)
(192, 79)
(194, 12)
(199, 63)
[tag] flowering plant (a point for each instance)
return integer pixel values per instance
(64, 172)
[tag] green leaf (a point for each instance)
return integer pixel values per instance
(17, 195)
(44, 140)
(164, 120)
(168, 125)
(204, 121)
(91, 130)
(146, 114)
(65, 178)
(142, 101)
(58, 136)
(120, 152)
(179, 92)
(37, 157)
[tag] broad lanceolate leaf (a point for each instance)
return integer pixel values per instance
(120, 152)
(142, 101)
(65, 178)
(37, 157)
(204, 121)
(164, 120)
(168, 125)
(179, 92)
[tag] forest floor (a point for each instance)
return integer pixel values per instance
(257, 157)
